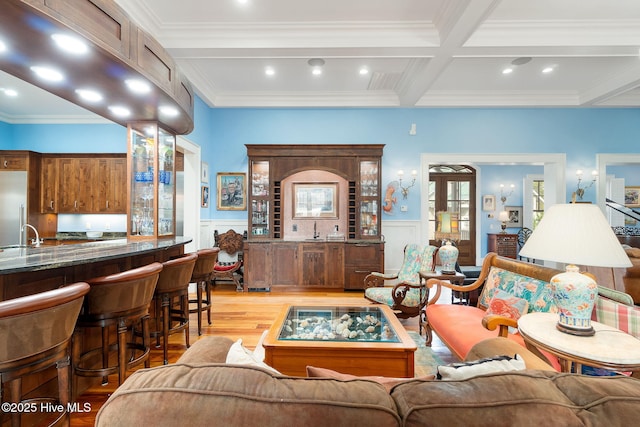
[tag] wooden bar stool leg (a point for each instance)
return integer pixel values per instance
(208, 288)
(200, 287)
(15, 388)
(122, 350)
(166, 313)
(184, 304)
(146, 341)
(105, 353)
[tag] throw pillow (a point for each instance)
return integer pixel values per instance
(239, 355)
(258, 352)
(387, 382)
(504, 304)
(465, 370)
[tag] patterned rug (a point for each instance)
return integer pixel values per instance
(426, 361)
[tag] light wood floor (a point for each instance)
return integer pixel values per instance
(240, 315)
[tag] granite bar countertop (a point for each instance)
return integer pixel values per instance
(18, 259)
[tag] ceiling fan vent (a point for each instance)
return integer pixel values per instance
(383, 81)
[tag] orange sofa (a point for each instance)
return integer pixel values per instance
(460, 327)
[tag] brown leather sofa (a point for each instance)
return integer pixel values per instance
(200, 389)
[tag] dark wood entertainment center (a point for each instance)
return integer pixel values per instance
(281, 252)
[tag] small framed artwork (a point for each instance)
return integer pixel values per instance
(488, 202)
(515, 216)
(632, 197)
(204, 173)
(204, 196)
(315, 200)
(232, 191)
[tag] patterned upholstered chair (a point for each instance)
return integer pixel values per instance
(408, 297)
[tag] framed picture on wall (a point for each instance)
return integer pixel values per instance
(204, 173)
(515, 216)
(632, 197)
(315, 200)
(488, 202)
(204, 196)
(232, 191)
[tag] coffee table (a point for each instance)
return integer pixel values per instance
(609, 348)
(376, 342)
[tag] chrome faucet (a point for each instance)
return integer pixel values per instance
(35, 242)
(315, 233)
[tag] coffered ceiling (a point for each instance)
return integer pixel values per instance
(418, 53)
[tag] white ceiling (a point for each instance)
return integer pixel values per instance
(425, 53)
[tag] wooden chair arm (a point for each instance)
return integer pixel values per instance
(439, 284)
(377, 279)
(494, 321)
(400, 290)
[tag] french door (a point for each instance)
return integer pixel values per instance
(452, 188)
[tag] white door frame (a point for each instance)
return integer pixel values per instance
(192, 158)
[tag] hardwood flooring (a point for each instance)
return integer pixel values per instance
(240, 315)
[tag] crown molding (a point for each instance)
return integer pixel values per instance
(53, 119)
(307, 99)
(498, 99)
(557, 33)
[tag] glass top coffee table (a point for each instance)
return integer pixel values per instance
(364, 340)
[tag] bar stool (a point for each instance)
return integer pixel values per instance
(119, 300)
(36, 331)
(201, 276)
(173, 283)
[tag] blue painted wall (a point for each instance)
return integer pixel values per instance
(223, 132)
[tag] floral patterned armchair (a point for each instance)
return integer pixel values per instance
(408, 297)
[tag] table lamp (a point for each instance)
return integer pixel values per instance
(503, 217)
(448, 230)
(575, 234)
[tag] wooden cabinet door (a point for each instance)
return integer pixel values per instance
(313, 262)
(16, 162)
(334, 266)
(111, 186)
(76, 184)
(285, 264)
(257, 266)
(49, 185)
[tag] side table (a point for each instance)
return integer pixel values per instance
(609, 348)
(456, 279)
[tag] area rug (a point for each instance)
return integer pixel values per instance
(426, 361)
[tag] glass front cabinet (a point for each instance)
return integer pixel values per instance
(369, 200)
(259, 199)
(151, 178)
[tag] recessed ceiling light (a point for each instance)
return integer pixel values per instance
(89, 95)
(507, 70)
(120, 111)
(547, 70)
(3, 46)
(316, 64)
(9, 92)
(364, 71)
(269, 71)
(243, 1)
(47, 73)
(138, 86)
(70, 44)
(169, 111)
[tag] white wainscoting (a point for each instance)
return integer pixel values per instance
(208, 226)
(397, 234)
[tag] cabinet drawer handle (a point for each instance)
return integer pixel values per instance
(6, 164)
(107, 204)
(363, 271)
(75, 204)
(362, 245)
(51, 205)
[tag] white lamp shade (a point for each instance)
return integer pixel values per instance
(503, 216)
(576, 233)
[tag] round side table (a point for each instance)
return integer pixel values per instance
(609, 348)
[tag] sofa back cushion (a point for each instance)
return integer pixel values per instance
(522, 398)
(538, 293)
(621, 316)
(233, 395)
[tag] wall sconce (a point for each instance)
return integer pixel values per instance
(405, 190)
(503, 196)
(503, 217)
(580, 190)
